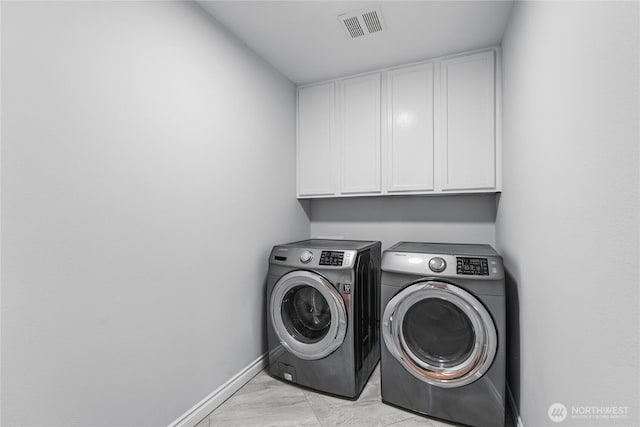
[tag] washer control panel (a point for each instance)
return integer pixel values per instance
(472, 266)
(331, 258)
(314, 257)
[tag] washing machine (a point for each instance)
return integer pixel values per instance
(323, 305)
(443, 329)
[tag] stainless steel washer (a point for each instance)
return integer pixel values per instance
(323, 305)
(443, 328)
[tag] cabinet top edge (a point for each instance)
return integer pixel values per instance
(468, 192)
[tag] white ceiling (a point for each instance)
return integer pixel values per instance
(306, 42)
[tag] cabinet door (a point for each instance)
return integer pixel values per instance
(410, 144)
(360, 141)
(468, 122)
(315, 142)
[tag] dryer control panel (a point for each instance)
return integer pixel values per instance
(443, 265)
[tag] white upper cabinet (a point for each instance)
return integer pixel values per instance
(410, 140)
(360, 135)
(469, 122)
(316, 140)
(428, 128)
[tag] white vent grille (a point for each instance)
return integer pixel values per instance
(362, 22)
(353, 27)
(372, 21)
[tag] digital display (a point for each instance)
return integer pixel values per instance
(331, 258)
(472, 266)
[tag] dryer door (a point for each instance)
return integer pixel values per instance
(308, 315)
(440, 333)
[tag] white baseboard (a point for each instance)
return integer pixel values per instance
(514, 409)
(207, 405)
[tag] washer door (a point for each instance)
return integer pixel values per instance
(308, 315)
(440, 333)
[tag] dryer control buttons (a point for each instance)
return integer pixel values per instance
(437, 264)
(306, 256)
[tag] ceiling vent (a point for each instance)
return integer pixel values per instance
(362, 22)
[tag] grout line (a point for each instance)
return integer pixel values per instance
(410, 417)
(313, 411)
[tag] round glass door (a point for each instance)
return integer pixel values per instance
(440, 333)
(308, 315)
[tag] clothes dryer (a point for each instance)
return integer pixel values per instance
(323, 314)
(443, 328)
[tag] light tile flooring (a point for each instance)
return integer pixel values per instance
(265, 401)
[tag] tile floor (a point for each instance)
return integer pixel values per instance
(265, 401)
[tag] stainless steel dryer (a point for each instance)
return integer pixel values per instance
(443, 328)
(323, 305)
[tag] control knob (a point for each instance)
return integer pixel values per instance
(306, 256)
(437, 264)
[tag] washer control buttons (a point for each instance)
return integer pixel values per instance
(306, 256)
(437, 264)
(347, 258)
(334, 258)
(474, 266)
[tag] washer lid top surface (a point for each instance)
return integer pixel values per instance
(329, 244)
(444, 248)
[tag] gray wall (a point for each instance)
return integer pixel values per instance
(448, 219)
(568, 219)
(147, 169)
